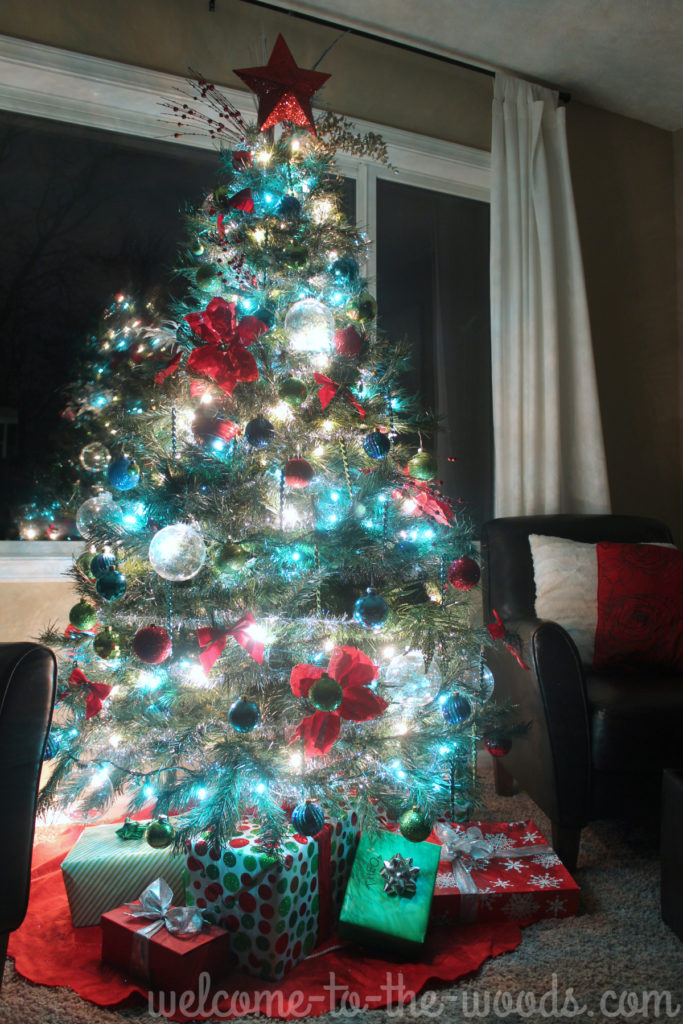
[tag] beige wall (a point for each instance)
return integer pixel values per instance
(27, 609)
(623, 175)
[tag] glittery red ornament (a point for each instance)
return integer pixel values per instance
(463, 573)
(298, 473)
(152, 644)
(348, 341)
(241, 159)
(498, 748)
(284, 90)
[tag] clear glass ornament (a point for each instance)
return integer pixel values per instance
(309, 326)
(94, 457)
(475, 683)
(98, 513)
(93, 800)
(409, 684)
(177, 552)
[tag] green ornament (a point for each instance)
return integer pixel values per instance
(231, 556)
(106, 644)
(295, 256)
(292, 391)
(206, 277)
(131, 830)
(160, 833)
(423, 466)
(326, 694)
(414, 825)
(364, 307)
(83, 615)
(83, 562)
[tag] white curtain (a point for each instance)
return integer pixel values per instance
(549, 451)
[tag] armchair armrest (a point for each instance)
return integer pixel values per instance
(552, 760)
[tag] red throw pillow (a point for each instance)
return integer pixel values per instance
(640, 606)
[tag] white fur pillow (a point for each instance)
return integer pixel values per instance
(566, 573)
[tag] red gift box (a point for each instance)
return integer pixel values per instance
(167, 963)
(509, 887)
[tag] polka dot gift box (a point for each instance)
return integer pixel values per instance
(276, 911)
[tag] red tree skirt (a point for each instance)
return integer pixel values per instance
(49, 951)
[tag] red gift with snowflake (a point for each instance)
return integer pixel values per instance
(499, 871)
(277, 910)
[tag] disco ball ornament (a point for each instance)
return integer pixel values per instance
(294, 256)
(298, 473)
(371, 610)
(348, 342)
(364, 307)
(94, 457)
(289, 209)
(292, 391)
(414, 825)
(308, 818)
(259, 432)
(123, 473)
(376, 444)
(152, 644)
(309, 326)
(83, 615)
(464, 573)
(456, 709)
(244, 715)
(498, 747)
(423, 466)
(99, 513)
(344, 270)
(159, 834)
(231, 557)
(326, 694)
(411, 684)
(94, 798)
(111, 585)
(177, 552)
(106, 644)
(100, 564)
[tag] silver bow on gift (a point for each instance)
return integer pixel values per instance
(156, 903)
(463, 850)
(400, 877)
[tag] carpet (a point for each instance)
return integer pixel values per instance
(616, 960)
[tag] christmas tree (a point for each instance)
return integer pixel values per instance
(274, 606)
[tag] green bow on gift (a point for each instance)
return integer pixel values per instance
(132, 829)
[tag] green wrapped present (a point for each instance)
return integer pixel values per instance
(389, 894)
(103, 870)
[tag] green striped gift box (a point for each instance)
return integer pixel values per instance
(102, 871)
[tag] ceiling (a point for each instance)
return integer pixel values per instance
(623, 55)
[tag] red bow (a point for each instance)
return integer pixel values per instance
(224, 358)
(213, 641)
(499, 632)
(97, 692)
(330, 388)
(427, 502)
(242, 200)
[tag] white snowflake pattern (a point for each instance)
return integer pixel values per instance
(502, 883)
(556, 906)
(544, 860)
(500, 843)
(446, 881)
(515, 865)
(545, 881)
(520, 905)
(532, 837)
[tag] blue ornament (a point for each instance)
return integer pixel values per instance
(289, 209)
(101, 564)
(308, 818)
(265, 315)
(344, 270)
(51, 747)
(457, 709)
(123, 473)
(371, 610)
(259, 432)
(377, 445)
(244, 715)
(111, 584)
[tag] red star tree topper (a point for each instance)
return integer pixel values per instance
(284, 89)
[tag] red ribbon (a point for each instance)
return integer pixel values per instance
(499, 632)
(97, 692)
(329, 389)
(170, 368)
(214, 639)
(325, 912)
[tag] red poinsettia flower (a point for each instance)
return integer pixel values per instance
(352, 671)
(223, 358)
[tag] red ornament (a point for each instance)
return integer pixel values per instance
(152, 644)
(298, 473)
(348, 341)
(498, 748)
(284, 89)
(464, 573)
(242, 158)
(213, 430)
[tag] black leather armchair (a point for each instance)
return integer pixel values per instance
(28, 679)
(598, 742)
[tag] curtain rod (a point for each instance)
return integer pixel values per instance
(565, 97)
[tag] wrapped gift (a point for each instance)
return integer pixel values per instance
(104, 870)
(167, 947)
(389, 894)
(276, 906)
(499, 871)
